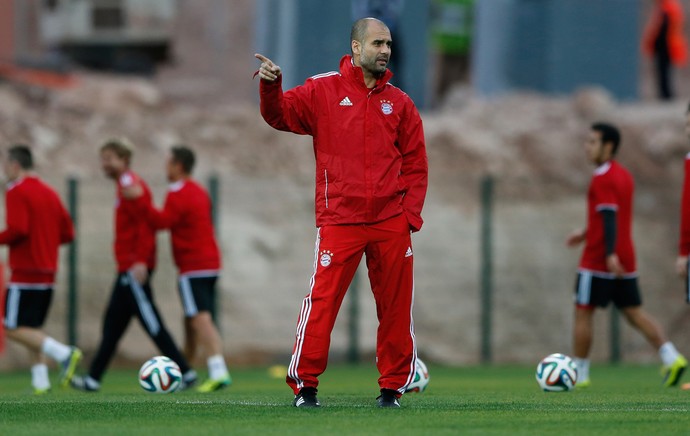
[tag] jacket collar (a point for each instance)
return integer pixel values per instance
(355, 74)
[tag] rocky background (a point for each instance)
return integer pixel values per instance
(530, 144)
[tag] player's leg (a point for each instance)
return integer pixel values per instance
(150, 319)
(39, 373)
(337, 254)
(26, 310)
(198, 295)
(189, 346)
(645, 324)
(590, 292)
(117, 316)
(390, 265)
(629, 301)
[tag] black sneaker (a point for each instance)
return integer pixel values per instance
(189, 379)
(306, 398)
(80, 383)
(388, 398)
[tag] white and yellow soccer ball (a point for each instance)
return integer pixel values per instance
(556, 373)
(160, 375)
(421, 378)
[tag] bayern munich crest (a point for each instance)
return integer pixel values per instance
(325, 258)
(386, 107)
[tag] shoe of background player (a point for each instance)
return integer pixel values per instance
(212, 385)
(79, 383)
(38, 391)
(69, 366)
(306, 398)
(673, 372)
(189, 379)
(388, 398)
(583, 384)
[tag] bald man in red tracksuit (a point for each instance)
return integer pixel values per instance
(371, 182)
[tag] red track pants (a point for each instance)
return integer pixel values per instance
(338, 251)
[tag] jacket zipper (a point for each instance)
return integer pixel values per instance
(325, 193)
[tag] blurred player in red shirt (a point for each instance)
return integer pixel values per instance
(607, 271)
(135, 254)
(187, 214)
(37, 223)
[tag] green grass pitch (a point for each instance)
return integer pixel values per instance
(499, 400)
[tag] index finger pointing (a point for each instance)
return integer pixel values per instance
(263, 58)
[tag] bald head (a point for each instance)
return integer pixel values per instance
(359, 29)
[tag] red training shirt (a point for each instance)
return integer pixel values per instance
(684, 243)
(135, 238)
(37, 223)
(612, 188)
(187, 213)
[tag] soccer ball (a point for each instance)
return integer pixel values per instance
(160, 374)
(556, 373)
(421, 378)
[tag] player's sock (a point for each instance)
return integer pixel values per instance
(55, 350)
(39, 377)
(582, 369)
(217, 369)
(668, 353)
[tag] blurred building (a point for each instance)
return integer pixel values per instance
(119, 35)
(557, 46)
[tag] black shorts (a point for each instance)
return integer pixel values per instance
(197, 292)
(27, 305)
(592, 290)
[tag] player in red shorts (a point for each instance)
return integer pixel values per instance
(607, 271)
(371, 182)
(187, 214)
(37, 223)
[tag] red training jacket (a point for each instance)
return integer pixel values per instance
(187, 213)
(135, 238)
(371, 161)
(37, 223)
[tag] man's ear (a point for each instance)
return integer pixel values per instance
(356, 47)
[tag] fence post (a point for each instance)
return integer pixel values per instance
(353, 321)
(615, 336)
(72, 276)
(213, 192)
(486, 273)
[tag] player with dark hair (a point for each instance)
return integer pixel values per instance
(187, 214)
(607, 271)
(37, 223)
(371, 182)
(135, 254)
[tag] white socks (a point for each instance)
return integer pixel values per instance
(582, 368)
(39, 376)
(216, 367)
(55, 350)
(668, 353)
